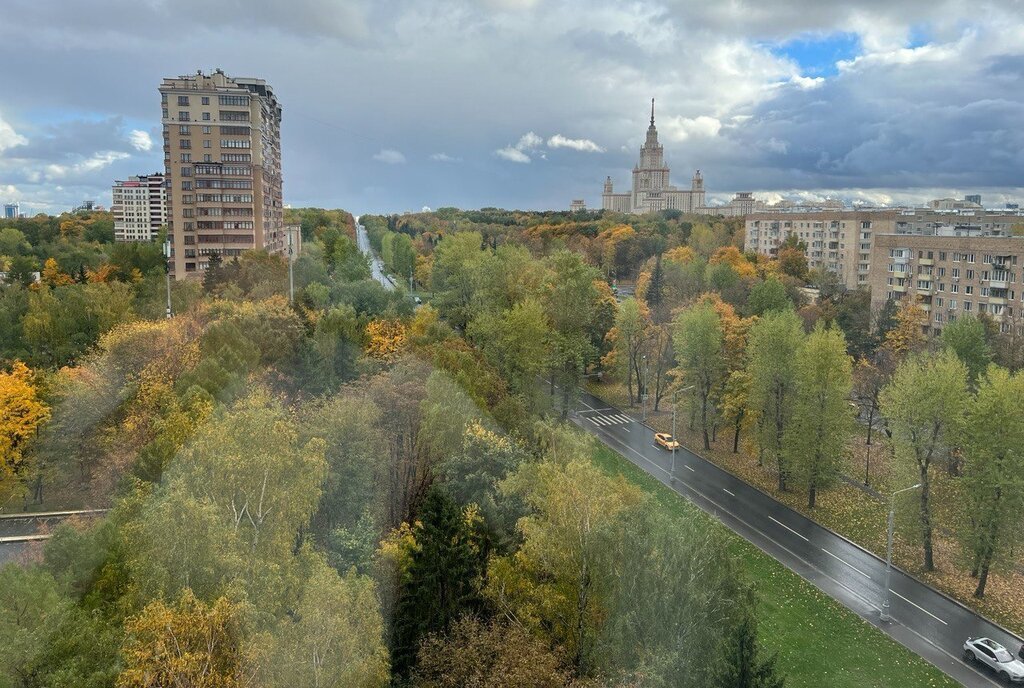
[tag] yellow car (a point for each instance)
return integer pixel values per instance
(663, 439)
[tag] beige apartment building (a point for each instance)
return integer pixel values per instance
(139, 206)
(222, 153)
(842, 240)
(951, 275)
(837, 240)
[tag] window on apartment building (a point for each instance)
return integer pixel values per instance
(956, 257)
(942, 255)
(968, 289)
(183, 116)
(970, 274)
(206, 100)
(186, 157)
(233, 116)
(890, 281)
(233, 100)
(956, 273)
(186, 186)
(942, 272)
(985, 291)
(206, 116)
(920, 255)
(207, 129)
(165, 113)
(183, 101)
(187, 198)
(206, 143)
(183, 129)
(952, 304)
(954, 288)
(970, 257)
(207, 157)
(939, 301)
(967, 305)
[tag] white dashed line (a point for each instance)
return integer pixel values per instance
(727, 492)
(789, 529)
(918, 606)
(689, 468)
(846, 562)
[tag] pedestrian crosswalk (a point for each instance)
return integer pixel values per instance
(609, 419)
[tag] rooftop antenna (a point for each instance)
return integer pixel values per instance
(652, 112)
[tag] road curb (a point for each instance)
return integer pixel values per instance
(826, 528)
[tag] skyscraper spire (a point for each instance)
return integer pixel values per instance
(652, 112)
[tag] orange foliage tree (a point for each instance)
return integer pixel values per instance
(386, 339)
(21, 414)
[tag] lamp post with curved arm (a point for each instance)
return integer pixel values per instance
(886, 594)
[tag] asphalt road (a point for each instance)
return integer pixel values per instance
(376, 266)
(18, 532)
(925, 621)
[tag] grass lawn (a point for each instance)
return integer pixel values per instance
(820, 642)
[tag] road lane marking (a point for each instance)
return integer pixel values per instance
(846, 562)
(789, 529)
(918, 606)
(727, 492)
(689, 468)
(624, 419)
(596, 420)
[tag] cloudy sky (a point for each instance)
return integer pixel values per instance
(392, 105)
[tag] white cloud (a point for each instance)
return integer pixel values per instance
(389, 156)
(91, 164)
(585, 145)
(10, 138)
(140, 140)
(513, 154)
(444, 157)
(517, 153)
(776, 145)
(683, 128)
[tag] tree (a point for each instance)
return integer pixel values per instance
(629, 337)
(965, 337)
(735, 400)
(816, 439)
(443, 580)
(491, 655)
(907, 335)
(925, 404)
(993, 447)
(697, 334)
(741, 664)
(188, 644)
(768, 295)
(386, 339)
(22, 413)
(334, 638)
(53, 276)
(30, 603)
(869, 379)
(774, 341)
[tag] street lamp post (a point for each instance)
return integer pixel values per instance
(291, 262)
(886, 595)
(643, 396)
(672, 476)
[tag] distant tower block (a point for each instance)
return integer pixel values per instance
(577, 205)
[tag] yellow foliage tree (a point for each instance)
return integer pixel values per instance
(733, 257)
(908, 334)
(102, 274)
(386, 339)
(21, 414)
(680, 254)
(188, 644)
(53, 276)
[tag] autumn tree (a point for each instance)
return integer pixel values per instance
(925, 404)
(189, 643)
(386, 339)
(629, 337)
(907, 333)
(815, 440)
(492, 654)
(993, 447)
(697, 334)
(774, 341)
(22, 413)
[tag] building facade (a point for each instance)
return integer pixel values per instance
(950, 276)
(652, 190)
(222, 154)
(837, 240)
(12, 211)
(139, 207)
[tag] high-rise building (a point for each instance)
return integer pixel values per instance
(12, 211)
(973, 198)
(222, 153)
(139, 207)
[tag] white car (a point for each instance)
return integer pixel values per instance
(996, 657)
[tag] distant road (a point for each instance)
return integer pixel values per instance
(19, 531)
(925, 621)
(376, 266)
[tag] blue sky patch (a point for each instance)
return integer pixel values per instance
(817, 54)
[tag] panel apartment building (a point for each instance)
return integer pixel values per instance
(951, 274)
(222, 153)
(837, 240)
(843, 241)
(139, 207)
